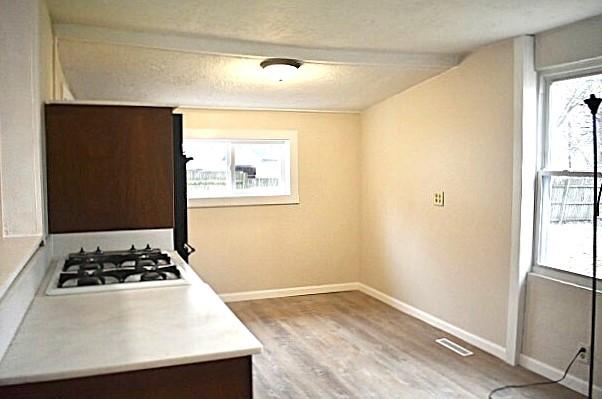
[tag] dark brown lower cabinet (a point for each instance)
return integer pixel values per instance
(223, 379)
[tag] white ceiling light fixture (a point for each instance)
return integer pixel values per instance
(280, 69)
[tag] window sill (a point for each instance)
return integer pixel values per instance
(15, 252)
(243, 201)
(565, 277)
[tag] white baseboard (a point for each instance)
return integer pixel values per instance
(481, 343)
(552, 373)
(285, 292)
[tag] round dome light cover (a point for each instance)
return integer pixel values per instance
(280, 69)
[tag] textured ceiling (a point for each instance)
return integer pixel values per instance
(204, 52)
(441, 26)
(97, 71)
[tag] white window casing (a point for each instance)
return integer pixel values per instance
(230, 140)
(546, 172)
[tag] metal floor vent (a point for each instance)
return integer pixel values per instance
(454, 347)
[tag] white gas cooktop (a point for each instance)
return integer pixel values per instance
(134, 268)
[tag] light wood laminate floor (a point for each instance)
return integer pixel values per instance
(349, 345)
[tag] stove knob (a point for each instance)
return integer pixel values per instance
(98, 251)
(81, 251)
(132, 248)
(148, 247)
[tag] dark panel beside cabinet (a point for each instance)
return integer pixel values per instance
(220, 379)
(109, 168)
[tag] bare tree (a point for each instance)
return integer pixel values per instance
(573, 120)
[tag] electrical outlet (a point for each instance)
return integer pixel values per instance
(584, 356)
(439, 198)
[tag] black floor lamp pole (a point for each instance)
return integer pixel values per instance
(594, 103)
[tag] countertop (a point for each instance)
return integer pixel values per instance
(82, 335)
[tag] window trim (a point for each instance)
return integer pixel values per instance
(545, 80)
(258, 135)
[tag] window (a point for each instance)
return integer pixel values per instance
(241, 167)
(565, 189)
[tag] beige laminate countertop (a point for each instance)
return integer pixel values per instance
(81, 335)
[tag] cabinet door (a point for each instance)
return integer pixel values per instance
(109, 168)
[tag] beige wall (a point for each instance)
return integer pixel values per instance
(452, 133)
(557, 321)
(25, 82)
(264, 247)
(61, 89)
(46, 48)
(46, 44)
(570, 43)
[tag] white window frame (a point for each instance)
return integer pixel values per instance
(546, 79)
(250, 135)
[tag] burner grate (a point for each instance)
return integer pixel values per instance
(114, 267)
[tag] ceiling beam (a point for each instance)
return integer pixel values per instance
(250, 49)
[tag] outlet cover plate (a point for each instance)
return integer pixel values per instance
(584, 357)
(439, 198)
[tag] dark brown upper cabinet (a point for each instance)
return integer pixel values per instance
(109, 168)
